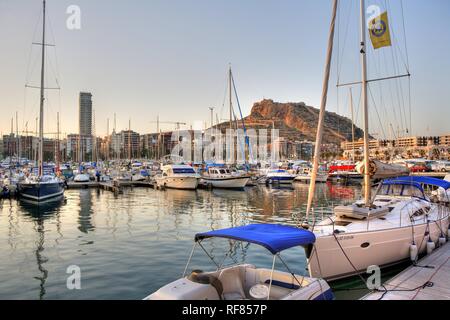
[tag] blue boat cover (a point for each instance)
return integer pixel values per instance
(273, 237)
(414, 180)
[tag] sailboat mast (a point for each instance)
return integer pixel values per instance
(41, 108)
(365, 105)
(231, 103)
(326, 78)
(57, 142)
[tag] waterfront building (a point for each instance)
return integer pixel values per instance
(444, 140)
(79, 147)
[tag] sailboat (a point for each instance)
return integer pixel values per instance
(396, 224)
(41, 187)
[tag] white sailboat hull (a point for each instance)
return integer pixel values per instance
(385, 247)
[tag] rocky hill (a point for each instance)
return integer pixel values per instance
(297, 121)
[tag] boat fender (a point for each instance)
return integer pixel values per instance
(448, 233)
(430, 246)
(413, 252)
(442, 240)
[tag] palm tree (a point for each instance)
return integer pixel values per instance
(409, 153)
(436, 153)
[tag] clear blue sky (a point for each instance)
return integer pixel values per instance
(143, 58)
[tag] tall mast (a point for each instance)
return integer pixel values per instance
(94, 139)
(57, 141)
(231, 103)
(326, 78)
(115, 152)
(17, 137)
(41, 108)
(353, 125)
(107, 140)
(365, 105)
(129, 139)
(159, 138)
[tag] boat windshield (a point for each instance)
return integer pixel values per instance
(401, 190)
(183, 170)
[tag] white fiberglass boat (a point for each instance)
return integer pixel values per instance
(222, 177)
(82, 177)
(305, 176)
(402, 218)
(177, 177)
(280, 176)
(246, 281)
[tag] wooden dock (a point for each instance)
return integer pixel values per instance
(430, 278)
(110, 185)
(82, 185)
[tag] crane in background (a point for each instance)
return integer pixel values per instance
(158, 131)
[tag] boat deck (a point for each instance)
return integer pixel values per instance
(433, 268)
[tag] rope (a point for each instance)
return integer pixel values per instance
(429, 280)
(427, 284)
(354, 268)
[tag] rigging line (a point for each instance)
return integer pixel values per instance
(358, 106)
(224, 98)
(242, 119)
(406, 63)
(54, 41)
(404, 34)
(392, 96)
(397, 95)
(410, 106)
(38, 20)
(345, 40)
(396, 70)
(393, 34)
(378, 115)
(382, 100)
(396, 63)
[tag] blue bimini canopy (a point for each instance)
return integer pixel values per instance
(273, 237)
(419, 180)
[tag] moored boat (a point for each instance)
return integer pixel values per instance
(356, 237)
(219, 176)
(177, 177)
(41, 188)
(280, 176)
(246, 281)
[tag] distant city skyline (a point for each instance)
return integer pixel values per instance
(169, 59)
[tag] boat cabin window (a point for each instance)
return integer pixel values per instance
(223, 171)
(418, 213)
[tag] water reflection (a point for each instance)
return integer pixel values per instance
(39, 213)
(85, 211)
(139, 240)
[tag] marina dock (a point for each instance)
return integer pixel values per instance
(429, 279)
(109, 185)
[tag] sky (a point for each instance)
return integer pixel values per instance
(145, 58)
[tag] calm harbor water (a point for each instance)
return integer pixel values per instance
(129, 245)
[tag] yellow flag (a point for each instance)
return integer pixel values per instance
(379, 31)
